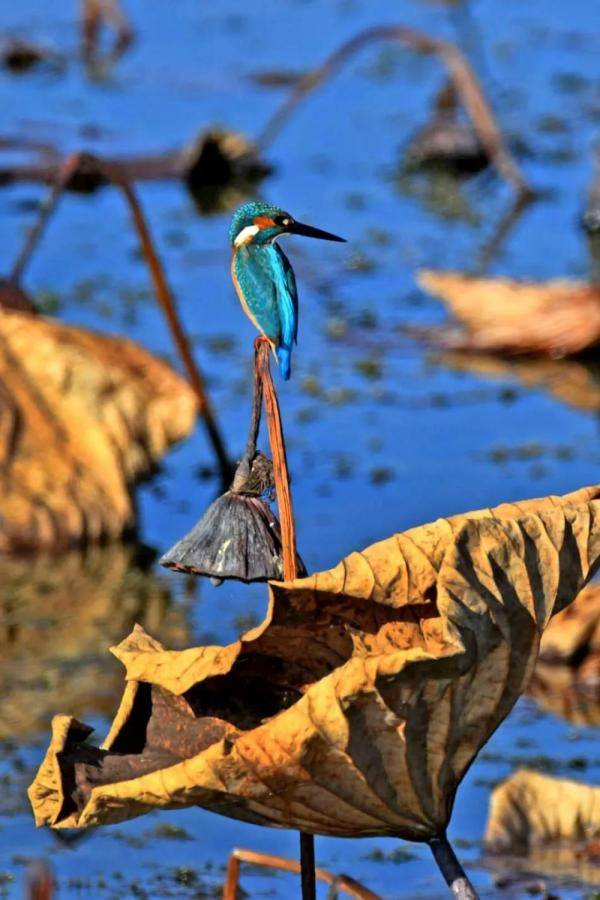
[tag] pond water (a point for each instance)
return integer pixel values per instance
(381, 435)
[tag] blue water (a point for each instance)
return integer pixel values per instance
(380, 436)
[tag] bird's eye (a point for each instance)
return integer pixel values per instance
(283, 221)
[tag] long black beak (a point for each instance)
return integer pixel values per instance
(308, 231)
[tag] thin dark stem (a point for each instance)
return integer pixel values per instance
(169, 308)
(491, 247)
(454, 874)
(467, 88)
(65, 172)
(244, 467)
(307, 866)
(257, 399)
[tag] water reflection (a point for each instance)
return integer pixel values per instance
(566, 679)
(568, 692)
(574, 381)
(438, 191)
(58, 616)
(560, 865)
(220, 168)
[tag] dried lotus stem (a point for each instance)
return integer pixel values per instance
(269, 860)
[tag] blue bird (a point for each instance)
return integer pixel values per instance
(263, 276)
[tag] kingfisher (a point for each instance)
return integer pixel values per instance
(263, 276)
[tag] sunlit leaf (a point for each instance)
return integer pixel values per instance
(359, 703)
(559, 317)
(82, 417)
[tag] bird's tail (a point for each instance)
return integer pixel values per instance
(284, 355)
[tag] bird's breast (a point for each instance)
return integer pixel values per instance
(255, 285)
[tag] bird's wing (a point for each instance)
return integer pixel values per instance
(257, 292)
(287, 293)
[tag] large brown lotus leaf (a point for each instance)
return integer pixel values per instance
(56, 616)
(566, 680)
(82, 416)
(559, 317)
(358, 704)
(573, 382)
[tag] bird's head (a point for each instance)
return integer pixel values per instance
(262, 223)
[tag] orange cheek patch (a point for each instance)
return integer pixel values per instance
(264, 222)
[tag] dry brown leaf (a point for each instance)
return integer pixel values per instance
(359, 703)
(530, 809)
(82, 417)
(559, 317)
(573, 382)
(57, 615)
(566, 680)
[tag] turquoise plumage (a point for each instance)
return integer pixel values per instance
(263, 276)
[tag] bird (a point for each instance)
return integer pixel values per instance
(263, 276)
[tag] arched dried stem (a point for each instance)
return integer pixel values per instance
(94, 13)
(269, 860)
(464, 79)
(113, 174)
(491, 247)
(64, 175)
(167, 303)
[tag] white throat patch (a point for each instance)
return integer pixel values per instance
(246, 235)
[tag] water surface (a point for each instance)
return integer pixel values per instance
(380, 435)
